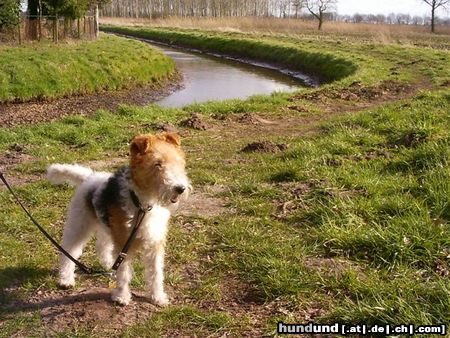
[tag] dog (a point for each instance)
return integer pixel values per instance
(104, 205)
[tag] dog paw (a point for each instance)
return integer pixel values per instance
(160, 299)
(121, 298)
(66, 284)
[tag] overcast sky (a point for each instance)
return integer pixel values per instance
(413, 7)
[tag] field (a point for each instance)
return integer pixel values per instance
(367, 33)
(111, 63)
(329, 204)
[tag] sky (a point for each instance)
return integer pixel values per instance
(413, 7)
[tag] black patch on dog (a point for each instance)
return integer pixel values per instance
(110, 195)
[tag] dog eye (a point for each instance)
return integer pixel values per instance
(158, 165)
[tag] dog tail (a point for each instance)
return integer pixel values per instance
(73, 174)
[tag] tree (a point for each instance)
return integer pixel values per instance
(318, 8)
(9, 13)
(417, 20)
(72, 9)
(435, 4)
(96, 4)
(55, 8)
(391, 18)
(297, 5)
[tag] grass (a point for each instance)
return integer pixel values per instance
(47, 71)
(195, 321)
(326, 65)
(337, 60)
(368, 33)
(349, 224)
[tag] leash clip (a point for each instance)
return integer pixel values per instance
(147, 209)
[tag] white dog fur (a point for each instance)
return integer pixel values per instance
(102, 205)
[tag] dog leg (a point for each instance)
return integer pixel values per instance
(155, 274)
(77, 231)
(104, 248)
(122, 293)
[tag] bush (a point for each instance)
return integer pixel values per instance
(9, 13)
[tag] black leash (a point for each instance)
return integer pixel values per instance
(83, 268)
(139, 218)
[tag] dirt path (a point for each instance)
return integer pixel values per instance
(12, 114)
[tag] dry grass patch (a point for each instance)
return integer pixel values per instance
(383, 33)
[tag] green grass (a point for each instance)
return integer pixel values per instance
(327, 65)
(365, 236)
(185, 320)
(47, 71)
(330, 59)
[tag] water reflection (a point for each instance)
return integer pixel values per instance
(209, 78)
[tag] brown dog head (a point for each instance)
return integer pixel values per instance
(158, 166)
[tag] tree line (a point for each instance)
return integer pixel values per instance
(391, 19)
(306, 9)
(316, 9)
(218, 8)
(188, 8)
(210, 8)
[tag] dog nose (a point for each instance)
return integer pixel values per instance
(179, 189)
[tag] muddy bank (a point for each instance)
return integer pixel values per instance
(12, 114)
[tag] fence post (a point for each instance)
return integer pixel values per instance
(56, 29)
(20, 30)
(39, 27)
(66, 28)
(40, 21)
(96, 22)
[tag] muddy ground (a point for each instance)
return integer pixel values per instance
(19, 113)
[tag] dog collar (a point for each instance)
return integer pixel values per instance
(137, 203)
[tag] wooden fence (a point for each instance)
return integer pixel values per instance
(51, 28)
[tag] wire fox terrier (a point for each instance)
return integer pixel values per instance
(103, 204)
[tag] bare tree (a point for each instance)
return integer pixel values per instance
(191, 8)
(297, 5)
(371, 18)
(391, 18)
(435, 4)
(417, 20)
(380, 18)
(318, 8)
(357, 18)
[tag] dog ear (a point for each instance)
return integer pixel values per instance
(172, 138)
(140, 144)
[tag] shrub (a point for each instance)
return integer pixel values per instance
(9, 13)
